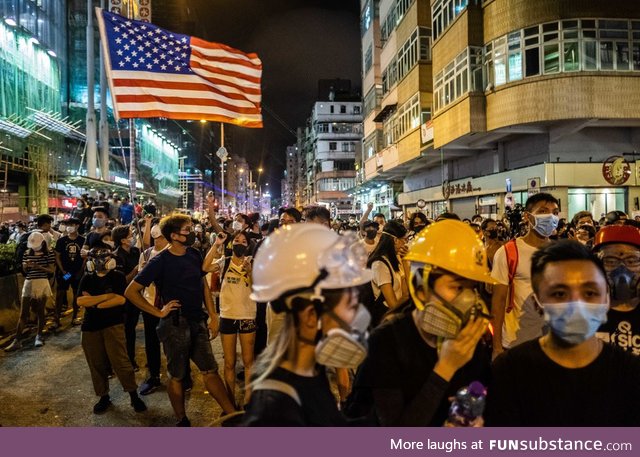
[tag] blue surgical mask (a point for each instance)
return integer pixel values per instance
(545, 224)
(575, 322)
(98, 223)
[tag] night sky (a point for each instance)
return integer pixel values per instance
(299, 43)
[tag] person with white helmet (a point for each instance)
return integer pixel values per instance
(38, 263)
(423, 355)
(324, 324)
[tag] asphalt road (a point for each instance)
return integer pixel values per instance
(51, 387)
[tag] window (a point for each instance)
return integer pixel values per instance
(461, 76)
(416, 48)
(333, 146)
(322, 128)
(372, 100)
(368, 59)
(514, 61)
(444, 12)
(367, 18)
(343, 109)
(356, 109)
(566, 46)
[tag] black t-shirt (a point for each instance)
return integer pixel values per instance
(127, 261)
(529, 389)
(398, 372)
(97, 318)
(177, 278)
(93, 238)
(622, 329)
(69, 251)
(274, 408)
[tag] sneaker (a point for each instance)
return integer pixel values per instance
(102, 405)
(184, 422)
(187, 384)
(138, 404)
(14, 346)
(76, 321)
(150, 386)
(39, 342)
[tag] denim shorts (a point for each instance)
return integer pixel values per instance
(233, 326)
(185, 339)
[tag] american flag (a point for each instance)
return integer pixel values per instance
(156, 73)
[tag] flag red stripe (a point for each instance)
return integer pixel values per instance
(223, 60)
(221, 71)
(149, 84)
(208, 44)
(176, 101)
(209, 82)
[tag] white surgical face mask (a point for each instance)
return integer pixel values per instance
(71, 229)
(575, 322)
(545, 224)
(237, 226)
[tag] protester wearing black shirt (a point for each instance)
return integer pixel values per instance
(127, 257)
(419, 358)
(179, 279)
(619, 248)
(567, 377)
(70, 262)
(101, 293)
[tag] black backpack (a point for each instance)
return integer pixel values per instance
(375, 306)
(21, 249)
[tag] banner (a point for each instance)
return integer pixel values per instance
(140, 10)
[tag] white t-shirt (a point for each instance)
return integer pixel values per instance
(150, 291)
(525, 322)
(368, 247)
(235, 302)
(382, 275)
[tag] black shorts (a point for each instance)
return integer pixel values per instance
(233, 326)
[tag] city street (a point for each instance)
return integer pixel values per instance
(51, 386)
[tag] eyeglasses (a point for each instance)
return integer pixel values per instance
(611, 262)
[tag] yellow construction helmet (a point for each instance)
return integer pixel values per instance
(453, 246)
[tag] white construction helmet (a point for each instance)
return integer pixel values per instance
(300, 257)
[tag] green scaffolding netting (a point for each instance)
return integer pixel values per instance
(29, 77)
(157, 153)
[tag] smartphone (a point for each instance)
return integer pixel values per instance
(67, 277)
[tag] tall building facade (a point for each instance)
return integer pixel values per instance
(289, 182)
(333, 140)
(529, 97)
(397, 88)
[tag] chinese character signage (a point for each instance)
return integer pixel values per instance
(458, 190)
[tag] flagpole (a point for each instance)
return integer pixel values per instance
(133, 175)
(222, 159)
(92, 160)
(222, 155)
(103, 125)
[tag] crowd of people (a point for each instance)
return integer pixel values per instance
(360, 322)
